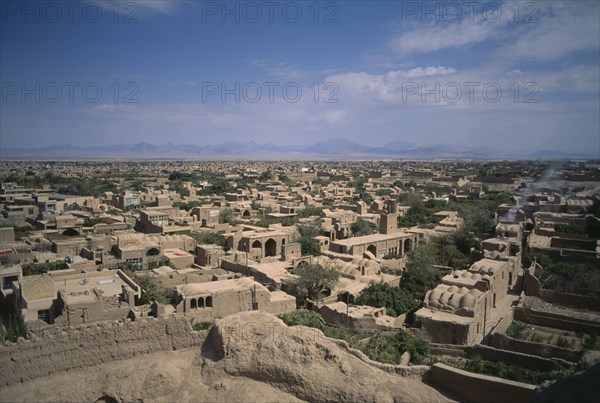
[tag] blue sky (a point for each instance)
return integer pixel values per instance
(425, 73)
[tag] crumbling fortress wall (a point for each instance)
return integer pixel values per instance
(63, 349)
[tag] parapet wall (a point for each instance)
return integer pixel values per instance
(557, 321)
(480, 388)
(87, 345)
(504, 342)
(576, 300)
(523, 360)
(420, 372)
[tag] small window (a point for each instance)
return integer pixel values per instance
(44, 315)
(7, 282)
(209, 302)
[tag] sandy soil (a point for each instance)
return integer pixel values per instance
(249, 357)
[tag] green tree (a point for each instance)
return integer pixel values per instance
(592, 227)
(153, 291)
(309, 229)
(30, 269)
(304, 317)
(265, 176)
(389, 348)
(313, 281)
(361, 227)
(226, 216)
(420, 275)
(464, 241)
(396, 300)
(448, 253)
(309, 246)
(362, 192)
(206, 237)
(310, 211)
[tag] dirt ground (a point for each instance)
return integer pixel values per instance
(249, 357)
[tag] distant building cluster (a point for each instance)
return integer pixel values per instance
(98, 241)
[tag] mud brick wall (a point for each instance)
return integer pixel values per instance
(61, 349)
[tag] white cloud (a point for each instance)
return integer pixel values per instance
(331, 117)
(112, 108)
(563, 29)
(554, 31)
(132, 10)
(278, 69)
(431, 36)
(160, 6)
(363, 87)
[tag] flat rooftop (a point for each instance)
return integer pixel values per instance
(176, 253)
(89, 289)
(441, 316)
(373, 238)
(213, 287)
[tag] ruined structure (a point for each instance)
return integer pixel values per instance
(67, 297)
(258, 243)
(208, 301)
(458, 310)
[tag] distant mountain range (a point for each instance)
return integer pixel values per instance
(332, 149)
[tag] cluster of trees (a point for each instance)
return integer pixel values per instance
(313, 281)
(304, 317)
(420, 212)
(177, 186)
(70, 186)
(478, 214)
(206, 237)
(21, 231)
(219, 185)
(227, 215)
(183, 176)
(385, 348)
(578, 278)
(308, 243)
(362, 192)
(310, 211)
(29, 269)
(154, 291)
(388, 348)
(515, 372)
(451, 250)
(590, 229)
(361, 227)
(396, 300)
(383, 192)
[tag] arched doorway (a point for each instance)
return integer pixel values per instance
(70, 232)
(408, 245)
(372, 249)
(152, 252)
(271, 247)
(302, 263)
